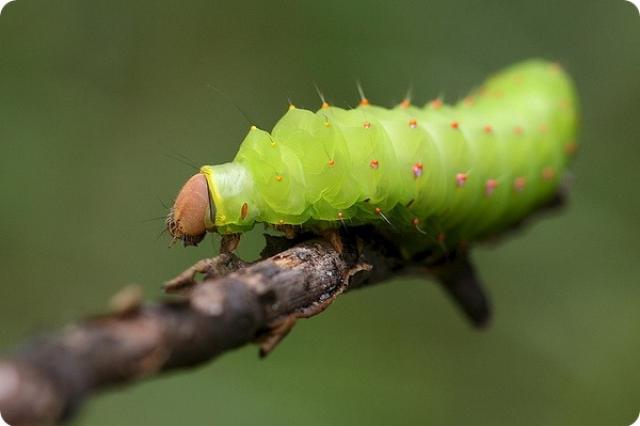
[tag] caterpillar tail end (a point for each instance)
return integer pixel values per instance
(186, 219)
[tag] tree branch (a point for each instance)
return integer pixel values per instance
(48, 378)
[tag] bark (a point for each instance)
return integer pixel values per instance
(235, 304)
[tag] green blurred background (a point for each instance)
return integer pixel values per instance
(95, 96)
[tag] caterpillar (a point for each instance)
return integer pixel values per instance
(430, 176)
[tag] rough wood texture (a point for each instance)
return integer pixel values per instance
(48, 378)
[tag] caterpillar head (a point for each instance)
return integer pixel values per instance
(186, 219)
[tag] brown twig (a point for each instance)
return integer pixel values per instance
(48, 378)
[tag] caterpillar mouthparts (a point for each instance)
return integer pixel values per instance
(186, 219)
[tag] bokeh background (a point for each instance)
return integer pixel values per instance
(96, 97)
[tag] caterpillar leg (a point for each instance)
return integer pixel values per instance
(458, 279)
(218, 266)
(334, 238)
(290, 232)
(229, 243)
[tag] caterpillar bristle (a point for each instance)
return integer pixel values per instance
(406, 102)
(379, 212)
(242, 112)
(436, 103)
(324, 104)
(363, 99)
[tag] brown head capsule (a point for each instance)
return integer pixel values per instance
(186, 220)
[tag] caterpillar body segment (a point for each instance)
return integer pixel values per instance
(423, 174)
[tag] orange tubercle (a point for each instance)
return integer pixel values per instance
(417, 170)
(436, 103)
(490, 186)
(461, 179)
(571, 148)
(548, 173)
(555, 67)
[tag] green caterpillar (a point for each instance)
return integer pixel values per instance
(428, 177)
